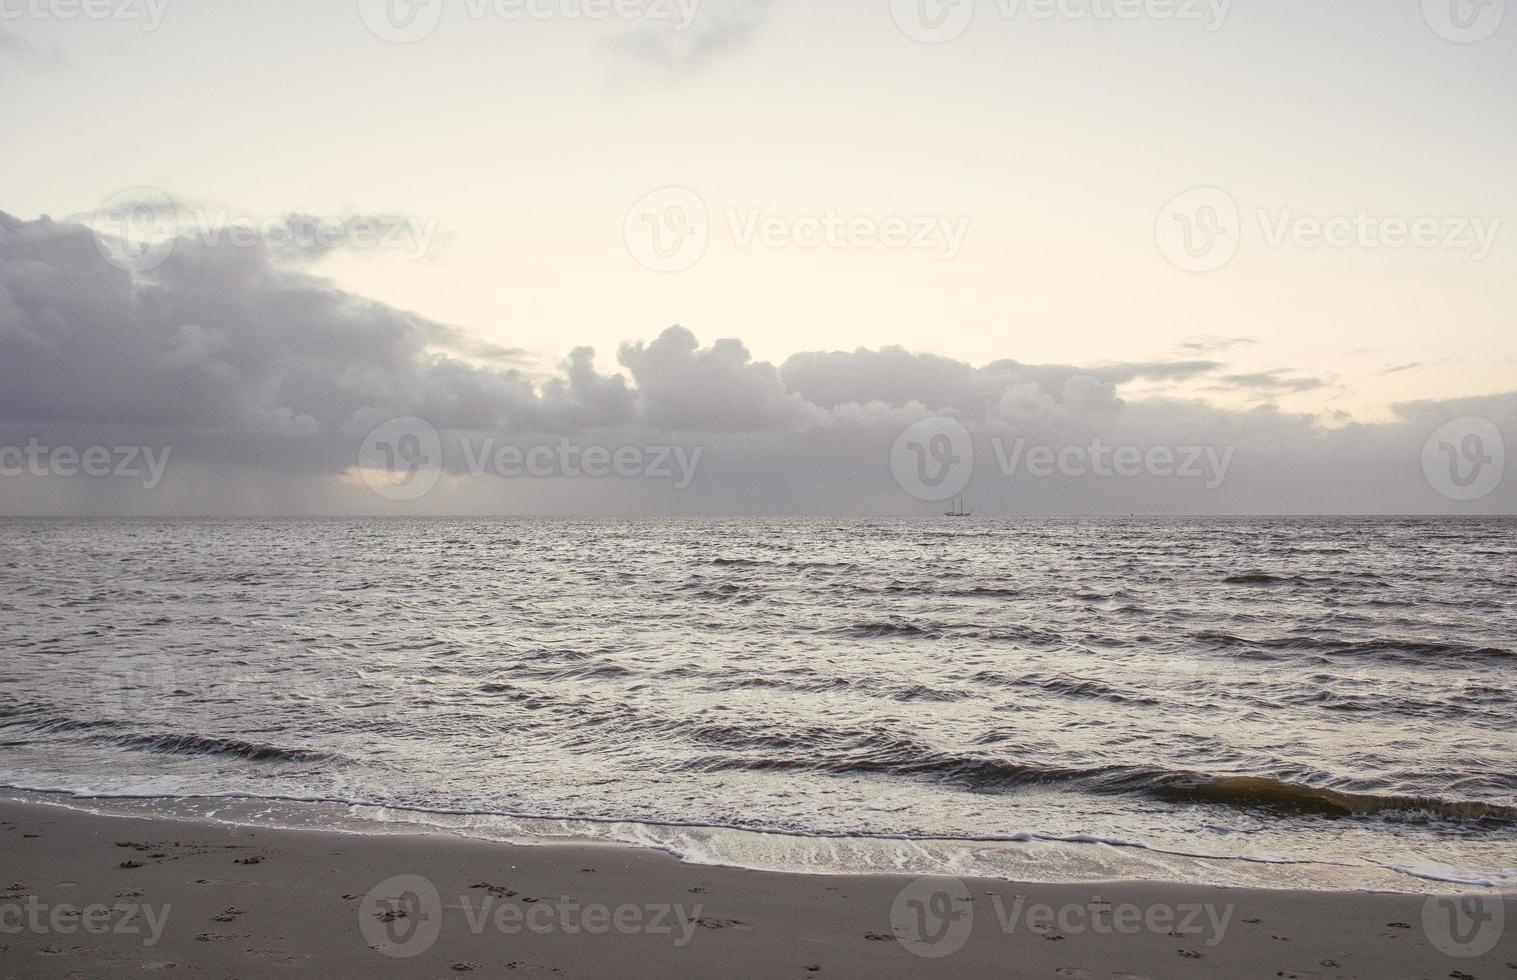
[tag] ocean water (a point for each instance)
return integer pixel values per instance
(1310, 702)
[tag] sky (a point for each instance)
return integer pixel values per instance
(1279, 228)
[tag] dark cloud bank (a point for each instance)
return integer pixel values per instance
(265, 379)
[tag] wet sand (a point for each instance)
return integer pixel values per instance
(96, 896)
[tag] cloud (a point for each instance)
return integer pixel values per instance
(1213, 344)
(265, 381)
(895, 376)
(1278, 381)
(720, 389)
(718, 29)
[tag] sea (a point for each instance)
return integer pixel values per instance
(1295, 702)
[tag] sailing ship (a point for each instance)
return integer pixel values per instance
(959, 510)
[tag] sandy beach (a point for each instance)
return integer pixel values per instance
(96, 896)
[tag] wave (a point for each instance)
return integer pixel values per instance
(981, 773)
(1368, 647)
(176, 744)
(1262, 792)
(35, 720)
(1340, 580)
(1074, 687)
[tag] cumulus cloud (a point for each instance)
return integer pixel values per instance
(718, 389)
(265, 380)
(895, 376)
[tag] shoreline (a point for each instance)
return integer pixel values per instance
(1027, 856)
(240, 900)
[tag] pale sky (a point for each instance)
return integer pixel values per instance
(1054, 142)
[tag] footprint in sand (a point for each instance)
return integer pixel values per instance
(269, 953)
(721, 924)
(499, 891)
(229, 915)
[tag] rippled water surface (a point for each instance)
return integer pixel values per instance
(1305, 701)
